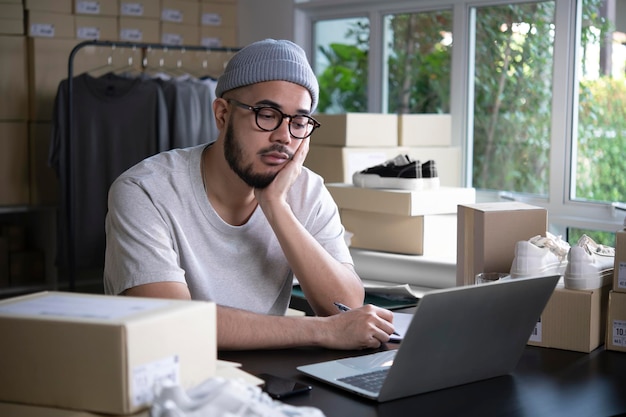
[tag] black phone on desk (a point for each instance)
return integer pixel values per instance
(278, 387)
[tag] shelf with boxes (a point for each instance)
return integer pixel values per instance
(174, 22)
(36, 38)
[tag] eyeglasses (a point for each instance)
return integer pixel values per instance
(270, 118)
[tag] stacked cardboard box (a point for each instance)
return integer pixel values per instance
(11, 17)
(393, 220)
(350, 142)
(14, 177)
(218, 23)
(378, 219)
(616, 322)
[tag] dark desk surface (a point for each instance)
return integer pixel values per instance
(546, 382)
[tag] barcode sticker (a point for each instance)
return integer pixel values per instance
(619, 333)
(535, 335)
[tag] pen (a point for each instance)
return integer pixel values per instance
(343, 307)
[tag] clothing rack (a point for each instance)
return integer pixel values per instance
(70, 185)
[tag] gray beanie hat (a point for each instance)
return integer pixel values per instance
(269, 60)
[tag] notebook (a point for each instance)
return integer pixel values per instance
(457, 335)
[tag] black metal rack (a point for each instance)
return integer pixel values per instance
(69, 184)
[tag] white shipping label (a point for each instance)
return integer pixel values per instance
(131, 35)
(131, 9)
(144, 377)
(211, 42)
(45, 30)
(172, 15)
(211, 19)
(88, 7)
(535, 335)
(619, 333)
(171, 39)
(87, 33)
(621, 275)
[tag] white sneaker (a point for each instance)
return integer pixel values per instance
(590, 265)
(540, 256)
(224, 398)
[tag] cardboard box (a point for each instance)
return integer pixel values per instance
(12, 26)
(573, 320)
(11, 11)
(13, 78)
(100, 7)
(619, 271)
(14, 170)
(176, 34)
(53, 6)
(218, 14)
(50, 25)
(148, 9)
(102, 353)
(338, 164)
(48, 62)
(24, 410)
(180, 11)
(139, 30)
(385, 232)
(96, 27)
(616, 322)
(218, 37)
(357, 129)
(401, 202)
(448, 161)
(424, 130)
(487, 234)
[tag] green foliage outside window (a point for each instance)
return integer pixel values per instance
(512, 94)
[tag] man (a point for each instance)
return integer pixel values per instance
(235, 220)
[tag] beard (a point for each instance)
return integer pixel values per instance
(234, 155)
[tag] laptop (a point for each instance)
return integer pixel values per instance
(456, 336)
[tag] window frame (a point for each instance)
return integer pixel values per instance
(563, 212)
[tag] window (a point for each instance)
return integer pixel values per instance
(341, 53)
(418, 51)
(536, 91)
(512, 90)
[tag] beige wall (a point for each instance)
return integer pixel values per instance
(265, 19)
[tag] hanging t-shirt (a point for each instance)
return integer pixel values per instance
(116, 122)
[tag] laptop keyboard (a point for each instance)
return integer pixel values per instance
(370, 381)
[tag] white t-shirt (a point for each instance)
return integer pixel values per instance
(162, 227)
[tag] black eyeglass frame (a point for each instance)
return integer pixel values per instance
(257, 109)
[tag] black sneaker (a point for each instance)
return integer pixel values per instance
(401, 172)
(429, 175)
